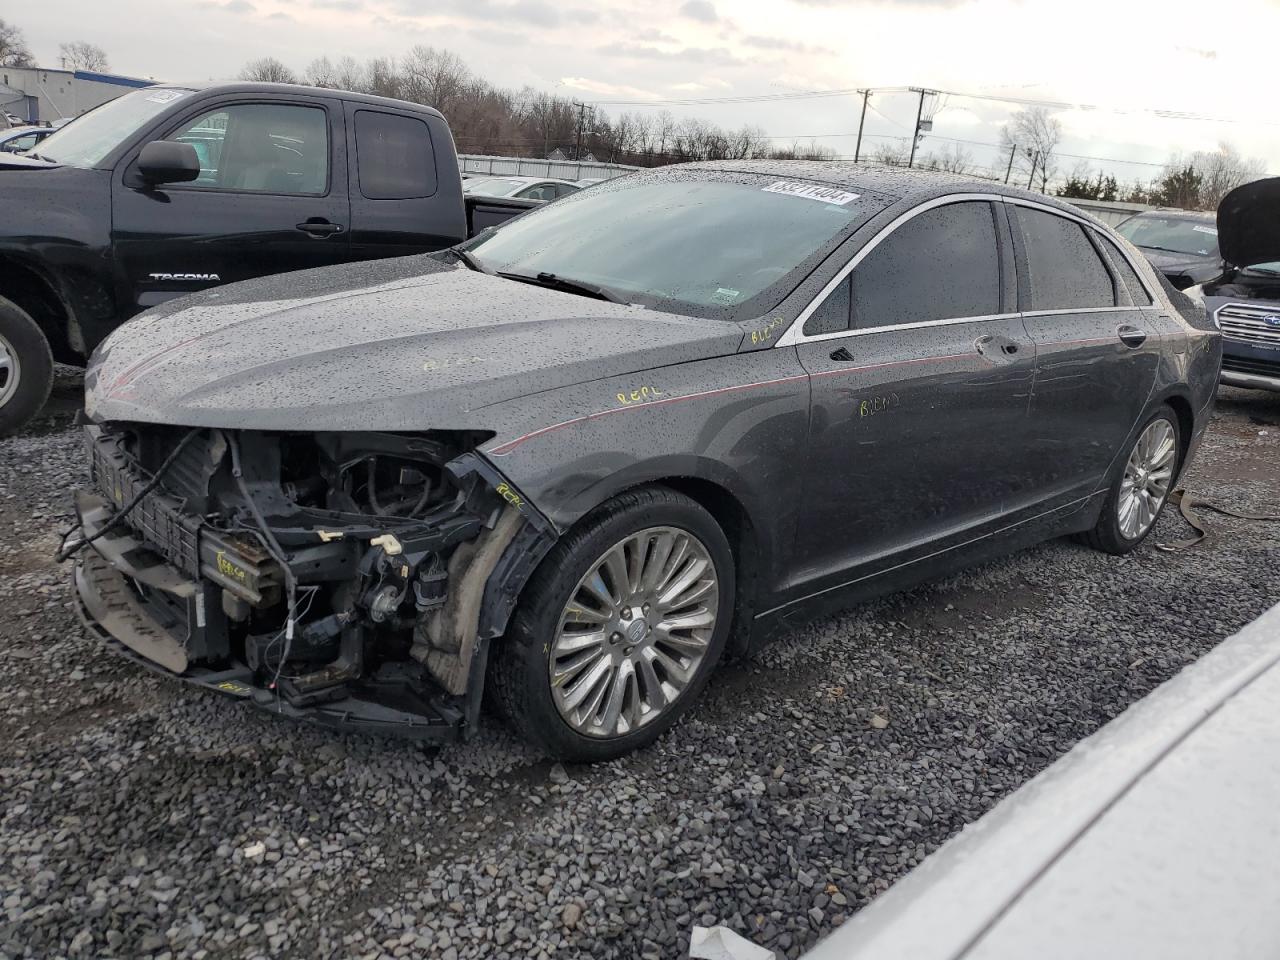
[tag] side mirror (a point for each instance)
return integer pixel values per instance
(163, 161)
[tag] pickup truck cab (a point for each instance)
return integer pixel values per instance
(173, 189)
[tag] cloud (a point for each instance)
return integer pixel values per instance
(651, 35)
(701, 10)
(538, 13)
(350, 6)
(231, 6)
(603, 89)
(718, 56)
(282, 17)
(791, 46)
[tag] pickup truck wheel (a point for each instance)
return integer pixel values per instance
(26, 367)
(619, 628)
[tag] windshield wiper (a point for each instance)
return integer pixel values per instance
(555, 282)
(470, 259)
(1152, 246)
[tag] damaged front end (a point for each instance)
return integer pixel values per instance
(349, 579)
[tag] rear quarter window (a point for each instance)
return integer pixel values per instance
(394, 156)
(1128, 276)
(1064, 270)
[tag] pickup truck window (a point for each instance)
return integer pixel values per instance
(394, 157)
(261, 148)
(87, 142)
(725, 245)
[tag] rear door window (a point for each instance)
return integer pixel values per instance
(394, 156)
(942, 264)
(1128, 276)
(1064, 271)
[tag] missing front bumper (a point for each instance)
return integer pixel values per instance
(397, 699)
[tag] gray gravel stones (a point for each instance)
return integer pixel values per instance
(144, 818)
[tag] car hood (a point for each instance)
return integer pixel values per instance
(404, 344)
(1181, 265)
(1249, 223)
(19, 161)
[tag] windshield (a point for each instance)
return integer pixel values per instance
(1271, 269)
(1172, 234)
(87, 141)
(494, 187)
(698, 242)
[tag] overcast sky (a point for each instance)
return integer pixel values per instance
(1123, 57)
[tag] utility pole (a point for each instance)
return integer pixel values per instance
(1035, 158)
(915, 138)
(582, 113)
(1009, 169)
(858, 147)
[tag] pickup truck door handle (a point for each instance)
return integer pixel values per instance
(319, 227)
(1131, 336)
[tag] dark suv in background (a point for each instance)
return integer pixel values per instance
(1238, 282)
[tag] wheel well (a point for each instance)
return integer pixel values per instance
(1186, 425)
(35, 295)
(733, 519)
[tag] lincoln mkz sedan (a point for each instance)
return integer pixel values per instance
(579, 459)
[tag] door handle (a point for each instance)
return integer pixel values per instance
(841, 355)
(319, 228)
(1131, 336)
(996, 348)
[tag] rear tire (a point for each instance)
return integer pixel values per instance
(643, 654)
(26, 368)
(1141, 486)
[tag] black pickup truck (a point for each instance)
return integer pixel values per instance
(175, 188)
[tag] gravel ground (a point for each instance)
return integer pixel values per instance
(142, 817)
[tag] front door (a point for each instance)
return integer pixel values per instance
(271, 197)
(920, 375)
(1098, 342)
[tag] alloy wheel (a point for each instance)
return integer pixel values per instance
(1147, 476)
(10, 371)
(634, 632)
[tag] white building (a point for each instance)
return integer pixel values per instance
(38, 95)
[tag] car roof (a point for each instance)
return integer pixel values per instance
(900, 183)
(1176, 213)
(245, 86)
(519, 179)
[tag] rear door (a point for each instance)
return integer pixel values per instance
(920, 371)
(402, 202)
(271, 197)
(1097, 351)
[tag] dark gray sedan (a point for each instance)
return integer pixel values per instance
(584, 456)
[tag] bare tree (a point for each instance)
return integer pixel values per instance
(79, 55)
(348, 74)
(321, 73)
(665, 131)
(1036, 135)
(1221, 171)
(434, 77)
(268, 70)
(14, 51)
(891, 154)
(950, 159)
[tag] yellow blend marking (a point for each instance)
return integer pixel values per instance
(509, 495)
(767, 331)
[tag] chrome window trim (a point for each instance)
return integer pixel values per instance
(795, 332)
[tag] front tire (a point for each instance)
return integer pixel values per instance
(619, 628)
(26, 368)
(1141, 486)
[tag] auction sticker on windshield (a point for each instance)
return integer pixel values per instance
(811, 191)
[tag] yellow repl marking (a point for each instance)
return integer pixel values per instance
(766, 332)
(640, 395)
(509, 495)
(227, 568)
(234, 686)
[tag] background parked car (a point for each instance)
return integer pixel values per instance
(173, 189)
(521, 188)
(1181, 244)
(1154, 839)
(22, 139)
